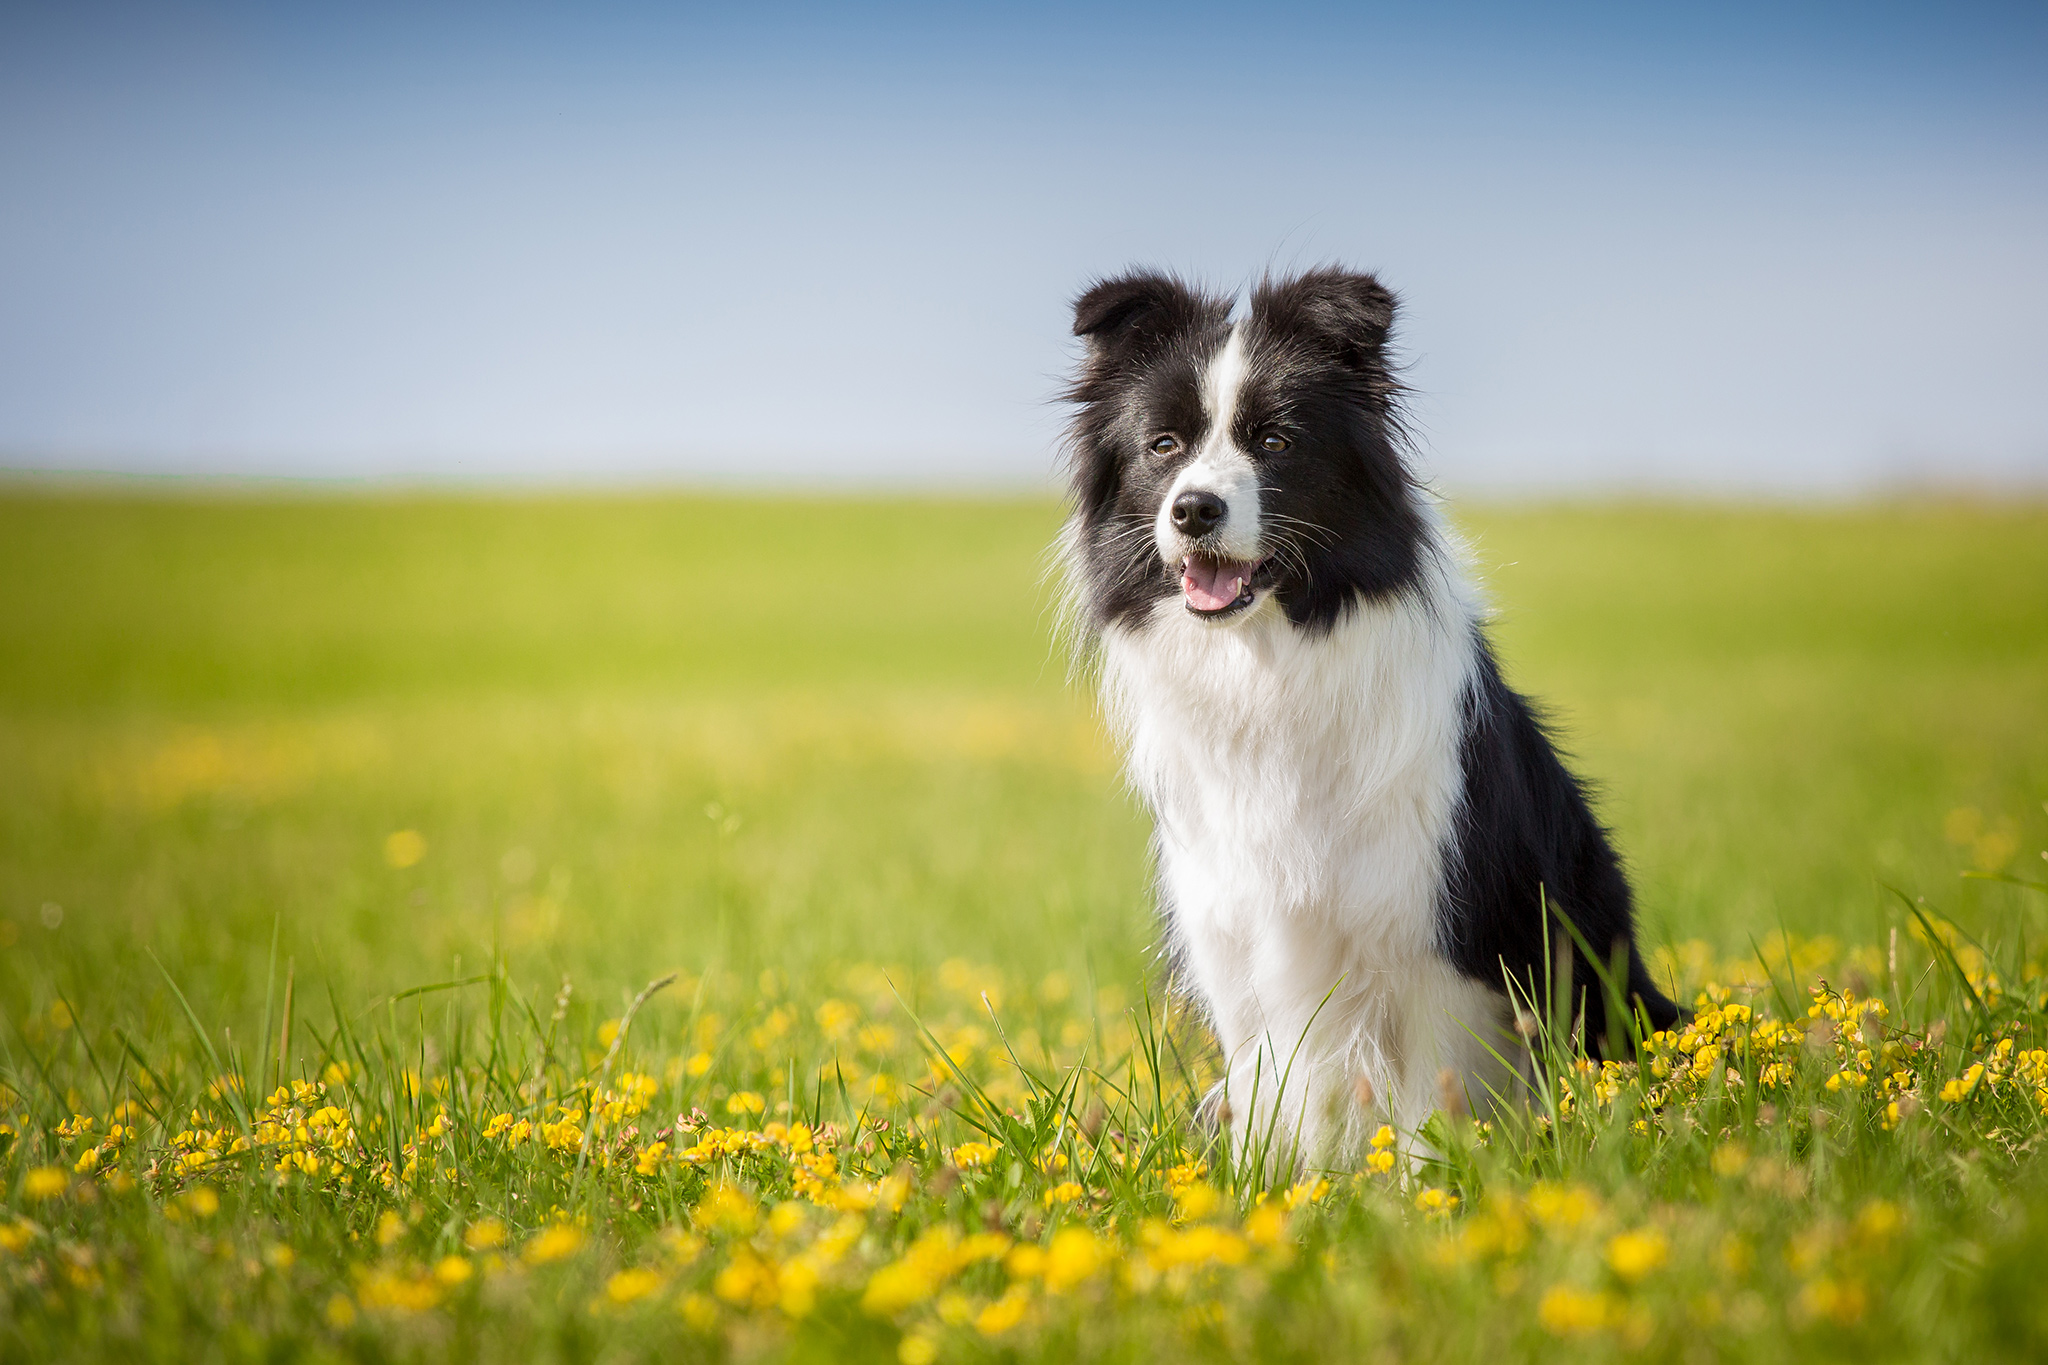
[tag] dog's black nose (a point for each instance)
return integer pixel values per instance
(1196, 513)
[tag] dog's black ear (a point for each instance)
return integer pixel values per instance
(1350, 313)
(1130, 312)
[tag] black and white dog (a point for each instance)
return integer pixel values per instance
(1358, 824)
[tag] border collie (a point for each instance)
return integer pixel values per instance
(1359, 828)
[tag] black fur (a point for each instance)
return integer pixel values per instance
(1527, 840)
(1345, 521)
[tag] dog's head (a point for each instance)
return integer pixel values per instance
(1226, 464)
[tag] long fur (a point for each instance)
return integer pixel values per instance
(1362, 834)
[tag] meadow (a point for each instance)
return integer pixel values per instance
(659, 926)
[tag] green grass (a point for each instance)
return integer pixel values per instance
(765, 742)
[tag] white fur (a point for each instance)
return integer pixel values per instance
(1218, 467)
(1304, 790)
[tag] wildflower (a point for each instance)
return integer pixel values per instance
(917, 1349)
(1841, 1301)
(1001, 1314)
(1567, 1312)
(1561, 1206)
(404, 848)
(45, 1182)
(1381, 1159)
(1878, 1220)
(484, 1234)
(201, 1201)
(1075, 1255)
(1266, 1226)
(16, 1235)
(1632, 1255)
(630, 1286)
(726, 1208)
(1730, 1159)
(970, 1156)
(745, 1102)
(1962, 1087)
(390, 1227)
(836, 1019)
(1066, 1192)
(1197, 1200)
(1026, 1262)
(699, 1311)
(1435, 1202)
(453, 1270)
(1310, 1192)
(555, 1243)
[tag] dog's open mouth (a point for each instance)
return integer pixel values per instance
(1215, 586)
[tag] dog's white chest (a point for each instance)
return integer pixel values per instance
(1298, 778)
(1304, 790)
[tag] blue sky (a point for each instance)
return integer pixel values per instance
(1778, 249)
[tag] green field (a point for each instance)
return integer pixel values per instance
(822, 759)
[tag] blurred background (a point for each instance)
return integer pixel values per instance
(604, 453)
(1734, 248)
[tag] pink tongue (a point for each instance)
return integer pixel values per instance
(1212, 586)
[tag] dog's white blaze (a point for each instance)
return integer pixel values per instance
(1305, 790)
(1219, 467)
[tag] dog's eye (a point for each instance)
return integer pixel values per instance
(1166, 445)
(1273, 445)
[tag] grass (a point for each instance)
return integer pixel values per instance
(817, 759)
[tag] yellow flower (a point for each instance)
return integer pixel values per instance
(16, 1235)
(1633, 1255)
(970, 1156)
(404, 847)
(1963, 1086)
(45, 1182)
(630, 1286)
(1004, 1313)
(1197, 1200)
(698, 1065)
(1840, 1301)
(1066, 1192)
(1266, 1226)
(557, 1242)
(390, 1227)
(1026, 1262)
(1878, 1220)
(484, 1234)
(1075, 1255)
(1435, 1201)
(1567, 1312)
(453, 1270)
(917, 1349)
(1561, 1206)
(726, 1208)
(1311, 1192)
(745, 1102)
(201, 1201)
(699, 1311)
